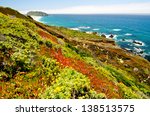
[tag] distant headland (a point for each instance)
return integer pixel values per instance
(37, 13)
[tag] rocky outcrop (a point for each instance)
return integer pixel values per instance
(111, 36)
(95, 33)
(137, 42)
(103, 35)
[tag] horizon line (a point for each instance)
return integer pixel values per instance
(105, 13)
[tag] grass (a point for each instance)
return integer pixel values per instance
(76, 34)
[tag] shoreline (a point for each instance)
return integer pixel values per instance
(136, 44)
(37, 18)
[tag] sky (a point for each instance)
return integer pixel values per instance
(80, 6)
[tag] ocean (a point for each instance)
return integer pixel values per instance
(131, 32)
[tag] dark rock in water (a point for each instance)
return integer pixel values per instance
(147, 57)
(141, 52)
(103, 35)
(138, 50)
(137, 42)
(123, 40)
(111, 36)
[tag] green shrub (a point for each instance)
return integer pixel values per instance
(23, 60)
(70, 84)
(19, 44)
(76, 34)
(77, 50)
(3, 76)
(48, 44)
(50, 69)
(128, 93)
(121, 76)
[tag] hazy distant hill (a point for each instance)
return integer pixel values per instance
(37, 13)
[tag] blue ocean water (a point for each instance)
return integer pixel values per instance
(126, 28)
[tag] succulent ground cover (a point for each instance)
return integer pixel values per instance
(40, 61)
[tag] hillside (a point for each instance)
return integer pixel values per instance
(41, 61)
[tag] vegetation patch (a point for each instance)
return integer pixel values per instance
(40, 61)
(71, 85)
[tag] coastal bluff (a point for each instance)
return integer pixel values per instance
(39, 61)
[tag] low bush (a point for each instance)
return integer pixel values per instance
(48, 44)
(128, 93)
(71, 85)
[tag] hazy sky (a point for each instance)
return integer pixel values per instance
(80, 6)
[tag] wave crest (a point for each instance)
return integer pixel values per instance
(84, 27)
(117, 29)
(76, 29)
(128, 34)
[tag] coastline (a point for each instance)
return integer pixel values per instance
(125, 38)
(36, 18)
(35, 54)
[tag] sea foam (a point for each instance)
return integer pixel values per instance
(138, 50)
(117, 29)
(84, 27)
(96, 29)
(142, 43)
(128, 34)
(108, 36)
(76, 29)
(129, 40)
(37, 18)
